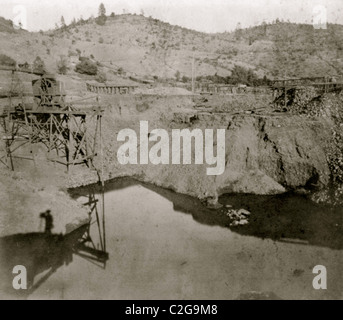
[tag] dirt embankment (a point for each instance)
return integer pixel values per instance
(29, 191)
(265, 154)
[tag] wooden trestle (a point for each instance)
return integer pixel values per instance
(69, 135)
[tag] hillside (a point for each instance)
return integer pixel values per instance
(6, 25)
(144, 47)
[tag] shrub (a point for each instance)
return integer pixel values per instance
(101, 20)
(120, 71)
(7, 61)
(62, 65)
(101, 40)
(101, 77)
(86, 66)
(185, 79)
(72, 53)
(39, 65)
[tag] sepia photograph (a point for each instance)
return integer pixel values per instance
(157, 150)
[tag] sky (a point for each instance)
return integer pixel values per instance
(202, 15)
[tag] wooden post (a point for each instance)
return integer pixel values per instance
(285, 105)
(8, 147)
(50, 134)
(103, 188)
(69, 140)
(30, 135)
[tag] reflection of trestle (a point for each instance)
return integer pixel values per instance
(69, 135)
(87, 248)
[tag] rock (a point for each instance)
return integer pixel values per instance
(213, 203)
(253, 181)
(243, 212)
(301, 191)
(243, 222)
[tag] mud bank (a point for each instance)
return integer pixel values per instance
(26, 193)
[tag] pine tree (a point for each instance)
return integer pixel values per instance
(102, 10)
(238, 31)
(63, 23)
(101, 19)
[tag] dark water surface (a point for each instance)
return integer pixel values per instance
(163, 245)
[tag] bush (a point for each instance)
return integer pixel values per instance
(62, 65)
(39, 65)
(72, 53)
(101, 40)
(185, 79)
(7, 61)
(86, 66)
(120, 71)
(101, 77)
(101, 20)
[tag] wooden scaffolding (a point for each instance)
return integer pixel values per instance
(70, 135)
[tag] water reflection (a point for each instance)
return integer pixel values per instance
(287, 217)
(290, 218)
(159, 253)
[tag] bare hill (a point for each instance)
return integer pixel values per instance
(137, 46)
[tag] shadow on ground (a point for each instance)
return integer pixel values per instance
(38, 253)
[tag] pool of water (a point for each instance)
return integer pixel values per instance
(163, 245)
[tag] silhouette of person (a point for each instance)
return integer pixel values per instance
(48, 221)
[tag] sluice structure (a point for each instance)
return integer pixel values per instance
(229, 89)
(285, 88)
(65, 133)
(108, 88)
(70, 135)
